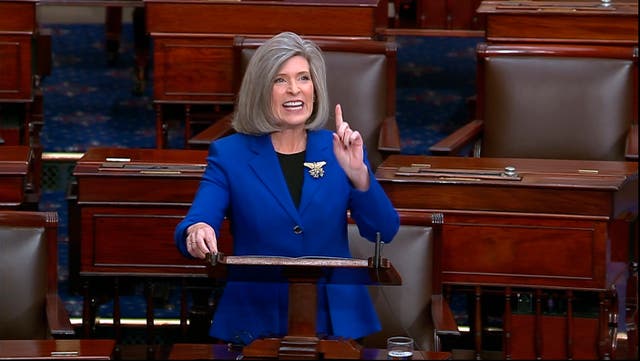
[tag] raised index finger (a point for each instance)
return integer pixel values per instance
(338, 117)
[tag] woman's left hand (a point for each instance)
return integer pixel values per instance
(348, 147)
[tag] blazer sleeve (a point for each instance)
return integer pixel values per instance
(210, 201)
(373, 212)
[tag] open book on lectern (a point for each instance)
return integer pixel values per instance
(259, 268)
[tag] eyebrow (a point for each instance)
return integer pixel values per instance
(298, 73)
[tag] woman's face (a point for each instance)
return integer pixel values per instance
(292, 92)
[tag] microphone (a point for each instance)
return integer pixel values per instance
(377, 254)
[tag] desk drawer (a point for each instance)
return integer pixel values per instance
(526, 251)
(134, 241)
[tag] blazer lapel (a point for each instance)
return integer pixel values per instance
(317, 151)
(266, 168)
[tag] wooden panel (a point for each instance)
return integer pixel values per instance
(151, 189)
(330, 18)
(11, 190)
(554, 338)
(23, 16)
(15, 166)
(135, 240)
(449, 14)
(15, 60)
(554, 21)
(57, 349)
(195, 69)
(432, 14)
(462, 14)
(524, 251)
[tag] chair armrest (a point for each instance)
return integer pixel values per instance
(443, 321)
(631, 148)
(58, 317)
(459, 139)
(389, 137)
(216, 130)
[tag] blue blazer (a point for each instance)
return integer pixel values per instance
(244, 182)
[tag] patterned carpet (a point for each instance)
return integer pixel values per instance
(88, 103)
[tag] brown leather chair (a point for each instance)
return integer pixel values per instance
(552, 101)
(30, 307)
(414, 308)
(361, 76)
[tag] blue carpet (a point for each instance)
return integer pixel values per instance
(87, 103)
(436, 77)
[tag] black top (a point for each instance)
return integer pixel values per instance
(293, 169)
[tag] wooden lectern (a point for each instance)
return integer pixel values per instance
(302, 273)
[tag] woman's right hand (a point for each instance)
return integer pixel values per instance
(201, 239)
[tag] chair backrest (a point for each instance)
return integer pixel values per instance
(361, 76)
(28, 271)
(556, 101)
(404, 309)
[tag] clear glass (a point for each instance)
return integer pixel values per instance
(399, 348)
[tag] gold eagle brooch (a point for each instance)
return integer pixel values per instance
(315, 168)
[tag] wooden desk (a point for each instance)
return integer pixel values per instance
(17, 33)
(575, 21)
(121, 225)
(56, 349)
(21, 102)
(16, 175)
(150, 188)
(193, 41)
(190, 351)
(556, 225)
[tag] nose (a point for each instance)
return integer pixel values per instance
(293, 87)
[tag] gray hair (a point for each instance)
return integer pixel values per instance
(253, 113)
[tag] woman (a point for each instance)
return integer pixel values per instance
(287, 186)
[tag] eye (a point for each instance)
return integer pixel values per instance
(306, 77)
(279, 80)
